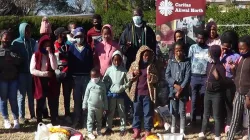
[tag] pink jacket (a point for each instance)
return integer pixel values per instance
(103, 54)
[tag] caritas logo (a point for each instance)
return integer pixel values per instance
(168, 10)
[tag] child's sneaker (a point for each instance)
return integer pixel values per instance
(16, 124)
(172, 129)
(7, 124)
(136, 133)
(91, 136)
(227, 129)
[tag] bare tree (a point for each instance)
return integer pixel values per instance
(26, 6)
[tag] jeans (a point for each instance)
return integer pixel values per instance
(178, 108)
(197, 94)
(80, 84)
(143, 107)
(25, 86)
(119, 104)
(214, 100)
(67, 88)
(9, 88)
(238, 108)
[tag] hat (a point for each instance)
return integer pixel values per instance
(61, 30)
(78, 31)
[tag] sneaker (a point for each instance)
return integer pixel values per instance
(136, 134)
(68, 120)
(217, 138)
(172, 129)
(99, 133)
(227, 129)
(16, 124)
(108, 131)
(91, 136)
(23, 120)
(7, 124)
(201, 136)
(32, 120)
(123, 133)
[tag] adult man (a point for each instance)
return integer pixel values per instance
(94, 35)
(25, 46)
(135, 35)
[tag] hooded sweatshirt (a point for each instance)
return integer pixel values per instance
(104, 51)
(115, 78)
(215, 64)
(41, 65)
(150, 70)
(95, 96)
(25, 47)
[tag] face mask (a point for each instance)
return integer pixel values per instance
(95, 80)
(98, 26)
(6, 43)
(201, 44)
(43, 51)
(79, 40)
(137, 20)
(244, 54)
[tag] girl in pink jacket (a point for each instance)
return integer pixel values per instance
(45, 27)
(104, 49)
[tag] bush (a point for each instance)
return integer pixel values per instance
(13, 22)
(232, 16)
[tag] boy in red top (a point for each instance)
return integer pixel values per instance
(61, 51)
(94, 35)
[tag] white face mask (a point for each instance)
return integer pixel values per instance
(79, 40)
(137, 20)
(95, 80)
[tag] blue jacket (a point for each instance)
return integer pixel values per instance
(25, 48)
(178, 73)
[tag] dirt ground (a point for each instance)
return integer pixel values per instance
(27, 132)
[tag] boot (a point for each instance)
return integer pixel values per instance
(136, 133)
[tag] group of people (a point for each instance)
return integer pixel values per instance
(105, 75)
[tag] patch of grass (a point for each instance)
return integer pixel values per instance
(27, 132)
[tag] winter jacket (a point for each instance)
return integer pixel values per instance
(151, 70)
(178, 73)
(95, 96)
(45, 27)
(129, 35)
(103, 53)
(116, 78)
(10, 62)
(25, 47)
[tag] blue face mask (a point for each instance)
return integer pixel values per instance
(43, 51)
(137, 20)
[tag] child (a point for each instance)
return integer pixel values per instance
(105, 49)
(61, 52)
(229, 40)
(42, 66)
(214, 38)
(94, 35)
(45, 28)
(70, 36)
(95, 100)
(116, 79)
(80, 63)
(178, 75)
(241, 81)
(142, 91)
(214, 91)
(9, 68)
(198, 54)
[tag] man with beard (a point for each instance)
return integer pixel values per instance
(94, 35)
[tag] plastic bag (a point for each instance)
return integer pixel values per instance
(42, 132)
(175, 136)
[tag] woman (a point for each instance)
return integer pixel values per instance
(9, 63)
(42, 66)
(214, 38)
